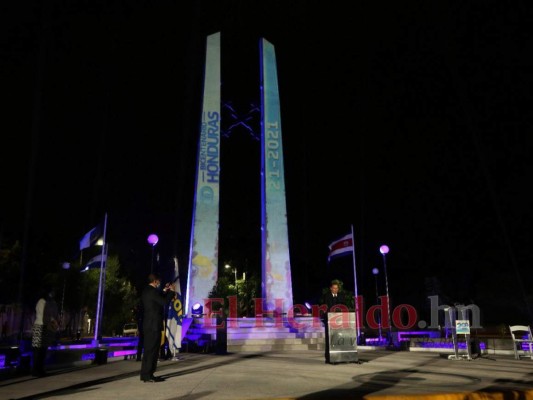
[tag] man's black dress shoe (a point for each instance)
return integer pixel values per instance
(153, 379)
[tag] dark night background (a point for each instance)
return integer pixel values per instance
(410, 120)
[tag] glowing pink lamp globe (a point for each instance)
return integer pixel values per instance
(384, 249)
(153, 239)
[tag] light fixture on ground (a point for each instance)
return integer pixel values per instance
(384, 250)
(197, 310)
(152, 241)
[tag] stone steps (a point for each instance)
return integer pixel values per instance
(273, 335)
(251, 334)
(260, 334)
(237, 342)
(273, 347)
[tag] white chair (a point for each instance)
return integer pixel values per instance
(521, 334)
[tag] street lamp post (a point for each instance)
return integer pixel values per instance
(65, 267)
(384, 250)
(152, 241)
(227, 266)
(375, 271)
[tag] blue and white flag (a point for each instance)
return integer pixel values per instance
(174, 321)
(95, 262)
(91, 237)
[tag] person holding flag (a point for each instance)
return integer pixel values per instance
(153, 303)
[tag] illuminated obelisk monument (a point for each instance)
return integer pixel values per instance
(203, 259)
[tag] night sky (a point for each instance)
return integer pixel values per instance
(412, 122)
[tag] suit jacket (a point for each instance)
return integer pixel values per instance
(153, 303)
(333, 301)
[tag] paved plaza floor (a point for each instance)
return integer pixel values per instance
(285, 375)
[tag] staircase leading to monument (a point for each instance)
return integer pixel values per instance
(260, 334)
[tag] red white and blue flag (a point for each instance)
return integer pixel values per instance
(341, 247)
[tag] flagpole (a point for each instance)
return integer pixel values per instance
(100, 288)
(357, 330)
(104, 278)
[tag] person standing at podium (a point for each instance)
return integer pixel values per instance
(334, 297)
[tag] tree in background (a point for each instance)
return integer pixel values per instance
(120, 296)
(246, 291)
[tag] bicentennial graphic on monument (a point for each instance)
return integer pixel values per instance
(277, 283)
(203, 258)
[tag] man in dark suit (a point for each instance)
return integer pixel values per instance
(153, 304)
(334, 297)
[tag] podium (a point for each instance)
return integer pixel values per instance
(341, 337)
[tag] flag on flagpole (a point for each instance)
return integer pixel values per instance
(174, 321)
(91, 237)
(341, 247)
(95, 262)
